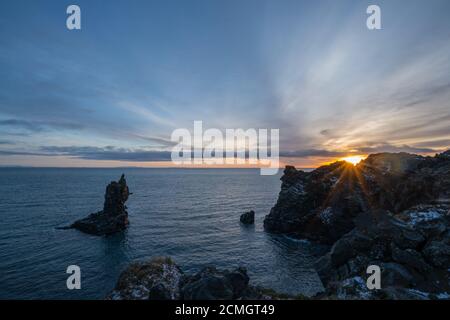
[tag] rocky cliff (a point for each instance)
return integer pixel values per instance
(390, 210)
(321, 205)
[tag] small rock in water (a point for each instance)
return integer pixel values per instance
(248, 217)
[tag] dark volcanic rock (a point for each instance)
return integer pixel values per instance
(321, 205)
(394, 274)
(421, 263)
(391, 210)
(157, 279)
(410, 258)
(438, 254)
(162, 279)
(212, 284)
(248, 217)
(114, 216)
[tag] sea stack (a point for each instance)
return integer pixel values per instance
(114, 216)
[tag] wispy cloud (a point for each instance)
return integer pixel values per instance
(38, 126)
(6, 142)
(108, 153)
(147, 114)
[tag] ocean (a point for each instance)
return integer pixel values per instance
(191, 215)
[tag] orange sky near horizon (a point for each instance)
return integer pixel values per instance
(71, 162)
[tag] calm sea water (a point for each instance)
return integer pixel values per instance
(191, 215)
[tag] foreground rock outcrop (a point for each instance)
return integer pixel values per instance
(391, 210)
(412, 250)
(157, 279)
(114, 216)
(161, 279)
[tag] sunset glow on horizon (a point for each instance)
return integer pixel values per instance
(353, 159)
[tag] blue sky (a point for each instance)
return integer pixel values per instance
(112, 93)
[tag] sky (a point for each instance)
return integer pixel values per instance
(112, 93)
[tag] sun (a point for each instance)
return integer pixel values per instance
(354, 160)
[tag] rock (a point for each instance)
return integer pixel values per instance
(411, 258)
(162, 279)
(321, 205)
(239, 281)
(438, 254)
(325, 269)
(383, 240)
(358, 265)
(393, 293)
(394, 275)
(212, 284)
(431, 229)
(248, 217)
(156, 279)
(353, 289)
(159, 292)
(341, 252)
(391, 210)
(408, 238)
(208, 287)
(429, 220)
(114, 216)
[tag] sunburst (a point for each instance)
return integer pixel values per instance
(354, 160)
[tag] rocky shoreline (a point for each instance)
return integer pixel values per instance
(391, 211)
(161, 279)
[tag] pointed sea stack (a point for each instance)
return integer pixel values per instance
(114, 216)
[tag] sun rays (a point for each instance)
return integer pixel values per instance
(354, 160)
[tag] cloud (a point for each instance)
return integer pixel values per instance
(391, 148)
(368, 149)
(161, 141)
(146, 114)
(440, 143)
(313, 153)
(6, 142)
(112, 153)
(37, 126)
(20, 153)
(21, 124)
(108, 153)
